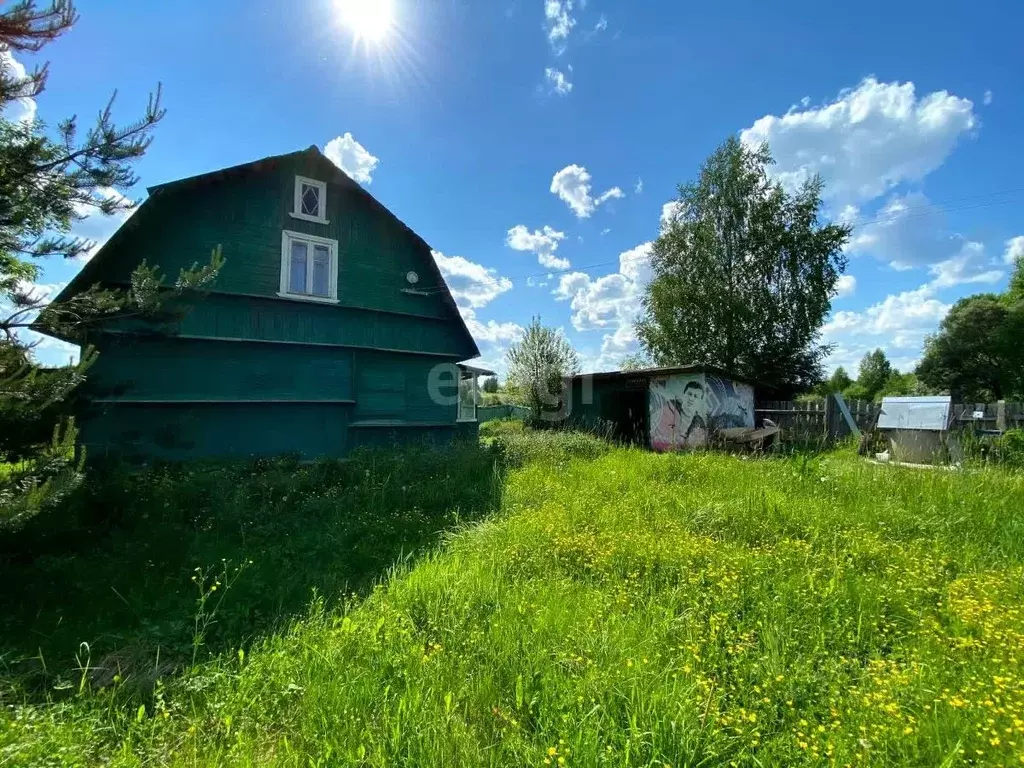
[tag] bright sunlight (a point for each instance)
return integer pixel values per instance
(369, 20)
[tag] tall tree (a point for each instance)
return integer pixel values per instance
(976, 354)
(837, 382)
(538, 365)
(490, 384)
(744, 274)
(874, 372)
(49, 180)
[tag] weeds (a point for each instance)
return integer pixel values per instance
(625, 609)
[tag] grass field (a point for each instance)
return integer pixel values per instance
(587, 606)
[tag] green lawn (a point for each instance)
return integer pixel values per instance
(588, 606)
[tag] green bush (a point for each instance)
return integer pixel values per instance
(1008, 448)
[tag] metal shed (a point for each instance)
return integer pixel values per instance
(917, 428)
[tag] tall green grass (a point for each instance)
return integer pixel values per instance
(624, 608)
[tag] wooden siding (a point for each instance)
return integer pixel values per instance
(256, 319)
(245, 213)
(189, 370)
(397, 388)
(183, 431)
(246, 372)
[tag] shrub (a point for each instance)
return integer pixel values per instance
(1008, 448)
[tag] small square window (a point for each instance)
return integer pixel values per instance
(310, 200)
(309, 267)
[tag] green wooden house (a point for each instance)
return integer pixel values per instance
(328, 328)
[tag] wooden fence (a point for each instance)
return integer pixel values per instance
(987, 417)
(491, 412)
(822, 420)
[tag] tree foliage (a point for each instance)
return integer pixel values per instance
(874, 372)
(50, 180)
(977, 355)
(490, 384)
(538, 365)
(837, 382)
(744, 274)
(635, 362)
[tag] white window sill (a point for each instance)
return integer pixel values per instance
(307, 217)
(305, 297)
(466, 421)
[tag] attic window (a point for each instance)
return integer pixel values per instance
(310, 200)
(309, 268)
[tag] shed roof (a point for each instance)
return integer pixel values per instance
(930, 414)
(668, 370)
(475, 370)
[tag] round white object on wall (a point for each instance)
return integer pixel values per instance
(412, 277)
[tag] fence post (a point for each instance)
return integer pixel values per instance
(1001, 422)
(831, 420)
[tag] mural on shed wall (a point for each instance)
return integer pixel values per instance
(687, 409)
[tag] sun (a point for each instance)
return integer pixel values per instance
(369, 20)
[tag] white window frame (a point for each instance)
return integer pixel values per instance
(297, 213)
(287, 236)
(461, 416)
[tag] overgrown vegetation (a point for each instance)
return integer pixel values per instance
(113, 566)
(50, 179)
(620, 608)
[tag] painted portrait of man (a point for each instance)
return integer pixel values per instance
(681, 417)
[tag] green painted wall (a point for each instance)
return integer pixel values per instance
(241, 342)
(186, 370)
(610, 406)
(181, 431)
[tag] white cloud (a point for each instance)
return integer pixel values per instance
(610, 301)
(867, 141)
(636, 264)
(559, 19)
(45, 349)
(541, 242)
(968, 265)
(846, 285)
(97, 226)
(602, 24)
(903, 319)
(22, 109)
(352, 157)
(572, 185)
(493, 338)
(615, 347)
(639, 186)
(558, 81)
(909, 232)
(491, 332)
(471, 284)
(987, 98)
(670, 211)
(1014, 250)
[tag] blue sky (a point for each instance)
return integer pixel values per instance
(535, 143)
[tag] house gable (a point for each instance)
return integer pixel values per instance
(246, 210)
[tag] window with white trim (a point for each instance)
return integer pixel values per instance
(309, 267)
(467, 396)
(310, 200)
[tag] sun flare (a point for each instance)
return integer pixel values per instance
(369, 20)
